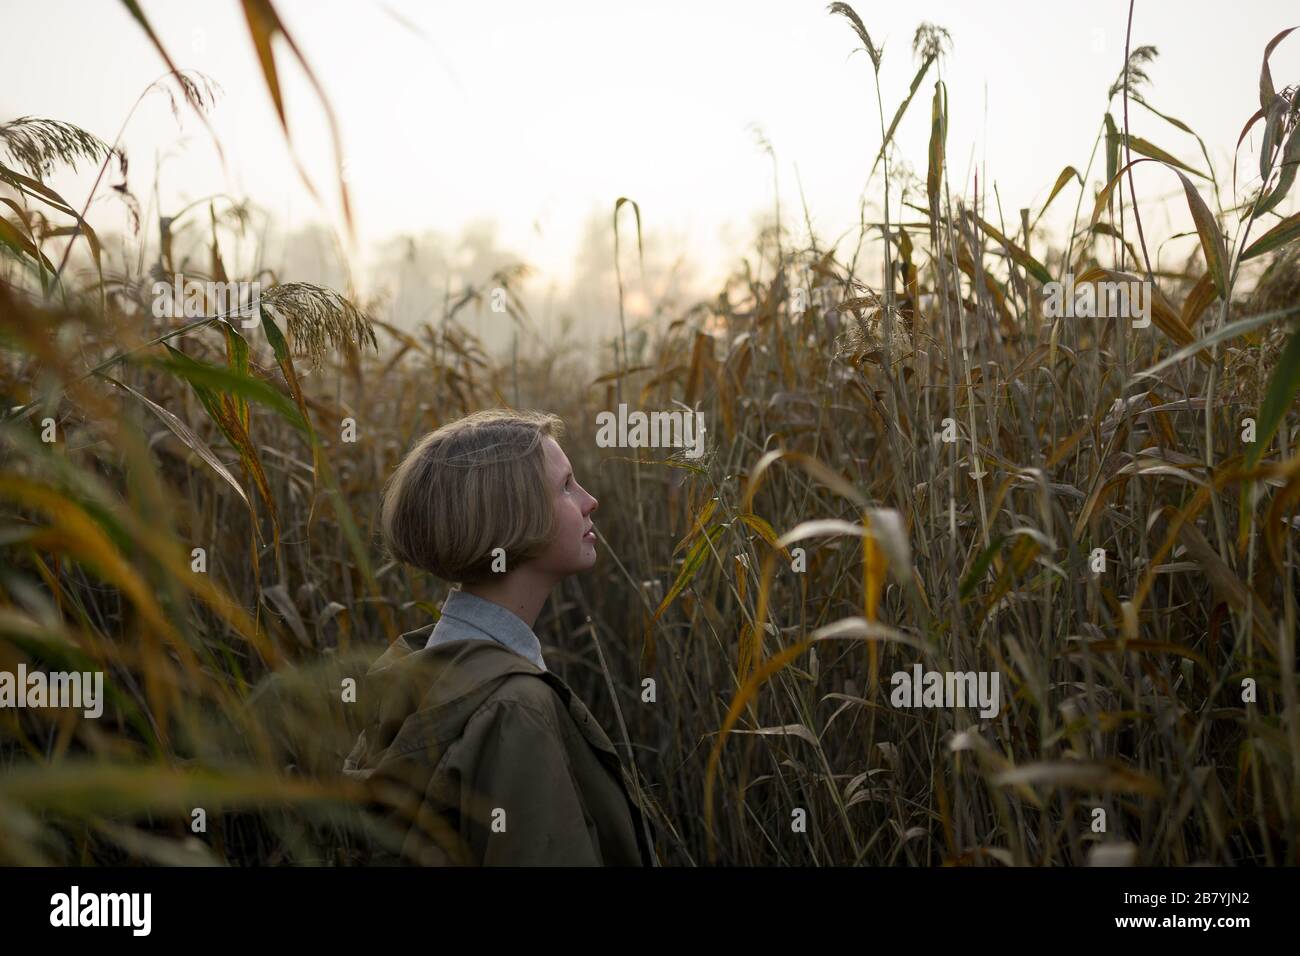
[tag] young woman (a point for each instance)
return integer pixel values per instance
(501, 763)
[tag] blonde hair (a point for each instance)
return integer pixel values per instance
(473, 485)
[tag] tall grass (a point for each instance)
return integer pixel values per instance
(1126, 731)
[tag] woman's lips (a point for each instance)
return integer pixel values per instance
(590, 536)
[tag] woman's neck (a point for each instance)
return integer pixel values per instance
(520, 592)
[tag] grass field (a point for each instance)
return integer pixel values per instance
(910, 460)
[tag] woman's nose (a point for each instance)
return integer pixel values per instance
(594, 503)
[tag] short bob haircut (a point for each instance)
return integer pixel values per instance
(474, 485)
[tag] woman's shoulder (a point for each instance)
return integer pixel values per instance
(521, 716)
(525, 691)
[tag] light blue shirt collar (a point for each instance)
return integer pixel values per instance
(467, 616)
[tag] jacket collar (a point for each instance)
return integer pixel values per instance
(415, 676)
(467, 616)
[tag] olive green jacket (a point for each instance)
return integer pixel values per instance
(500, 762)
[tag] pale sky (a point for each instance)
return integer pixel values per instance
(537, 116)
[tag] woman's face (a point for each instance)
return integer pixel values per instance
(573, 540)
